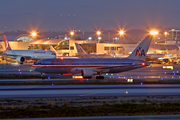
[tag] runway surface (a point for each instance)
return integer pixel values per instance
(87, 91)
(146, 117)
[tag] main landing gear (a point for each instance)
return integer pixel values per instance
(99, 77)
(42, 76)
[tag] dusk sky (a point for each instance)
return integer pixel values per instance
(88, 15)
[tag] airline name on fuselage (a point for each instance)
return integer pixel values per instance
(63, 61)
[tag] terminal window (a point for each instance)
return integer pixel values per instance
(113, 48)
(72, 48)
(63, 45)
(106, 48)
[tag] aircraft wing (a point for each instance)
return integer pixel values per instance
(98, 69)
(15, 56)
(106, 68)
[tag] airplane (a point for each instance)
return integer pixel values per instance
(88, 67)
(154, 56)
(82, 53)
(22, 55)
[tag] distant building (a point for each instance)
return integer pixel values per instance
(173, 34)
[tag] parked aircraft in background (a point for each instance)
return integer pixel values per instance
(88, 67)
(82, 53)
(161, 58)
(154, 56)
(22, 55)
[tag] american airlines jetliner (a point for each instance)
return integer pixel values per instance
(22, 55)
(88, 67)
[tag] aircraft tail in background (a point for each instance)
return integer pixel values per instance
(7, 46)
(80, 51)
(52, 49)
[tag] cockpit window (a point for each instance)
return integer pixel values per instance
(53, 53)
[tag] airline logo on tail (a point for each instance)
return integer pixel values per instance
(7, 46)
(140, 52)
(80, 50)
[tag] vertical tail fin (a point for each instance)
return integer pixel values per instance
(52, 49)
(80, 50)
(7, 46)
(140, 52)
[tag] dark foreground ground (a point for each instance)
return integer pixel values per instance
(89, 106)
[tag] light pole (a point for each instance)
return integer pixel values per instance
(121, 33)
(109, 37)
(154, 33)
(72, 34)
(33, 34)
(98, 34)
(165, 33)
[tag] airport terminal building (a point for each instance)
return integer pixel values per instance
(66, 47)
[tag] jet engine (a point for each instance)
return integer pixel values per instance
(21, 59)
(87, 73)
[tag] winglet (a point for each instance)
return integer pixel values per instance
(80, 51)
(140, 52)
(7, 46)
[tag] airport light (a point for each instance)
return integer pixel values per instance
(165, 33)
(153, 32)
(33, 34)
(121, 32)
(98, 34)
(90, 38)
(72, 34)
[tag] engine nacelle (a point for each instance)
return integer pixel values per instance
(21, 59)
(86, 73)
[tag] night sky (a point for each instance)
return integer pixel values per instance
(87, 15)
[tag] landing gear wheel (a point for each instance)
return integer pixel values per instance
(42, 76)
(99, 77)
